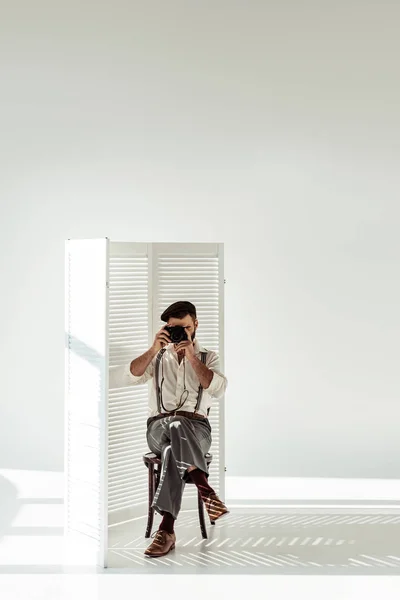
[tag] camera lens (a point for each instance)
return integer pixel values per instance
(177, 334)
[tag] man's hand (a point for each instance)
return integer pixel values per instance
(162, 339)
(185, 348)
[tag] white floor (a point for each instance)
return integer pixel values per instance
(357, 550)
(284, 541)
(347, 548)
(272, 542)
(184, 587)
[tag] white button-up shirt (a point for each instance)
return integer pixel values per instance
(173, 387)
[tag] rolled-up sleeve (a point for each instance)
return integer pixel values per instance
(121, 376)
(219, 382)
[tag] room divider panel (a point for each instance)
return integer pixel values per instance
(115, 294)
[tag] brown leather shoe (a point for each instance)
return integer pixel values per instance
(215, 507)
(162, 544)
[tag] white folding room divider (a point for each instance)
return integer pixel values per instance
(115, 294)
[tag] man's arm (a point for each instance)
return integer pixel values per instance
(140, 364)
(210, 376)
(121, 375)
(204, 374)
(141, 369)
(125, 375)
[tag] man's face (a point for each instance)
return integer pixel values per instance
(188, 324)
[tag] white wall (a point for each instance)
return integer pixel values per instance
(273, 127)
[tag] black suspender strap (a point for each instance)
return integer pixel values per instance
(158, 391)
(200, 392)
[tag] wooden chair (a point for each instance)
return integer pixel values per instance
(153, 463)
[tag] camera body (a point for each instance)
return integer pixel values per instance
(177, 333)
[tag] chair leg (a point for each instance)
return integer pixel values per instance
(201, 516)
(150, 517)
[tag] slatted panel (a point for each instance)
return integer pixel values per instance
(193, 272)
(86, 383)
(128, 406)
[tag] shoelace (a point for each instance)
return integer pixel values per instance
(160, 540)
(158, 537)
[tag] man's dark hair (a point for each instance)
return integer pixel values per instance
(179, 310)
(181, 314)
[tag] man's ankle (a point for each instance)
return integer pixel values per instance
(167, 523)
(199, 478)
(170, 531)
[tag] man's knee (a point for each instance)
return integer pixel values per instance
(177, 421)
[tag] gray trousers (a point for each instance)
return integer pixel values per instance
(180, 442)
